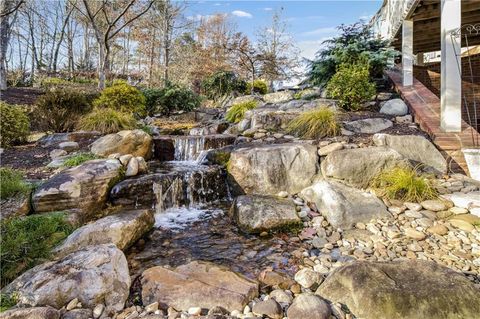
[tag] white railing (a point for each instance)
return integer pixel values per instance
(389, 18)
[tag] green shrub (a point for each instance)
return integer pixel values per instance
(12, 183)
(171, 98)
(404, 183)
(14, 124)
(351, 85)
(49, 82)
(353, 44)
(78, 159)
(236, 113)
(60, 108)
(122, 97)
(152, 97)
(317, 123)
(28, 240)
(259, 86)
(107, 121)
(222, 83)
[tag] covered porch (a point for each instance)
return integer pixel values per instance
(439, 73)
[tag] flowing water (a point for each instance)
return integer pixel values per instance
(191, 203)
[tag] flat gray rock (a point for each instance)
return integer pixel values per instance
(395, 107)
(255, 213)
(368, 126)
(415, 148)
(121, 229)
(344, 206)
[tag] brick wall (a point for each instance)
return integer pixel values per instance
(429, 75)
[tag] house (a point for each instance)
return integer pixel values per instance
(443, 94)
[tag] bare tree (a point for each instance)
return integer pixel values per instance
(279, 53)
(7, 9)
(107, 22)
(246, 56)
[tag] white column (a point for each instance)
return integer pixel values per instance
(407, 52)
(451, 79)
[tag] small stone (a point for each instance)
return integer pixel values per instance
(319, 242)
(217, 310)
(56, 153)
(152, 307)
(461, 224)
(281, 296)
(444, 214)
(142, 165)
(72, 304)
(69, 146)
(308, 278)
(413, 206)
(132, 167)
(360, 226)
(125, 158)
(438, 229)
(434, 205)
(308, 306)
(98, 310)
(194, 311)
(330, 148)
(282, 194)
(269, 308)
(415, 234)
(458, 210)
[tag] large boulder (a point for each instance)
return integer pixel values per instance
(31, 313)
(81, 190)
(415, 148)
(343, 206)
(122, 230)
(257, 213)
(278, 97)
(395, 107)
(368, 126)
(135, 142)
(411, 289)
(95, 275)
(269, 169)
(358, 166)
(197, 284)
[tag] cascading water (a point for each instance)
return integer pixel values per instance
(188, 148)
(190, 202)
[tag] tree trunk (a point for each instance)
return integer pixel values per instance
(102, 65)
(4, 39)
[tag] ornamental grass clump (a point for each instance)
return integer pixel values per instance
(12, 183)
(27, 241)
(404, 183)
(107, 120)
(78, 159)
(314, 124)
(236, 113)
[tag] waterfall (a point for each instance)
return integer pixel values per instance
(187, 148)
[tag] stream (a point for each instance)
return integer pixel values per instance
(191, 202)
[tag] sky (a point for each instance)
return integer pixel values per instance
(309, 22)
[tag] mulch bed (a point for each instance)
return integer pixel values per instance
(21, 95)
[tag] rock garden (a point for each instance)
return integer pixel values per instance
(301, 205)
